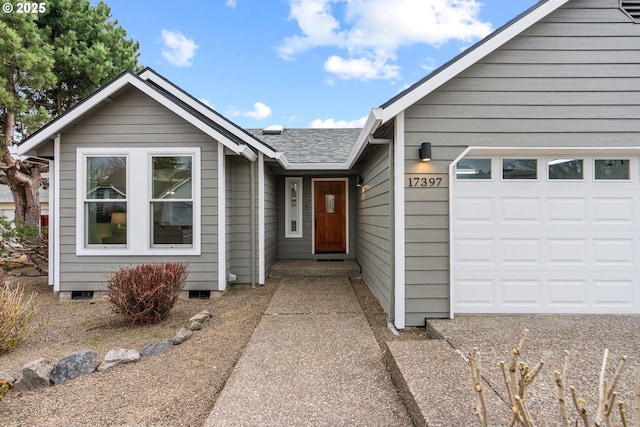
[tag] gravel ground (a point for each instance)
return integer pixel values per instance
(178, 387)
(585, 337)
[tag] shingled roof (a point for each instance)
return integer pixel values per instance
(311, 145)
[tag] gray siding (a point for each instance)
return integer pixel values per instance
(302, 248)
(228, 173)
(571, 80)
(241, 219)
(374, 225)
(270, 217)
(134, 120)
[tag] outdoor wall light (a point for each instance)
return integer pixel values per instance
(425, 151)
(359, 181)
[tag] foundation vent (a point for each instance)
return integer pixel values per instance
(631, 8)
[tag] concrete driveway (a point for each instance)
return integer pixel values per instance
(438, 366)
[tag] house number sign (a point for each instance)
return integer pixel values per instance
(422, 181)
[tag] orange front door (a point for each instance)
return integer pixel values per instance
(330, 216)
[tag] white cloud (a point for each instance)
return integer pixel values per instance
(207, 103)
(231, 3)
(260, 112)
(372, 31)
(333, 124)
(178, 49)
(361, 68)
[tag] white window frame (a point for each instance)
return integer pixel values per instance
(139, 183)
(288, 215)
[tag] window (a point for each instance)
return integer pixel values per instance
(473, 169)
(293, 207)
(171, 200)
(566, 168)
(152, 208)
(105, 201)
(612, 169)
(519, 169)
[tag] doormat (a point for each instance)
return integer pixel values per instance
(330, 260)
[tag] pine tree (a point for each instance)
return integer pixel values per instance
(49, 62)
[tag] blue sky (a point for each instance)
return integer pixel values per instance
(304, 63)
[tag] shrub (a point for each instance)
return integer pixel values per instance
(5, 387)
(146, 293)
(16, 313)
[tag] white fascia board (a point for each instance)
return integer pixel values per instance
(282, 159)
(485, 48)
(182, 96)
(371, 125)
(554, 151)
(317, 166)
(248, 153)
(55, 127)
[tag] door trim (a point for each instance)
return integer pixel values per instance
(313, 209)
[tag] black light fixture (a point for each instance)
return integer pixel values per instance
(359, 181)
(425, 151)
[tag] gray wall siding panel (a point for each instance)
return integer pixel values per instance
(270, 218)
(241, 218)
(133, 119)
(571, 80)
(373, 226)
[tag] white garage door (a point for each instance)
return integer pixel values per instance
(540, 234)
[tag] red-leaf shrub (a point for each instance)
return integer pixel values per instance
(146, 293)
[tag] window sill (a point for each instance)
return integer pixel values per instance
(106, 251)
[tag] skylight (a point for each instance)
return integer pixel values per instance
(273, 130)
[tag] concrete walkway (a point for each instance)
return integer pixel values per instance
(312, 360)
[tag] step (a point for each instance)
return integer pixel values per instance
(316, 268)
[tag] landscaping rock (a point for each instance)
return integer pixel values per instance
(156, 348)
(73, 366)
(118, 357)
(35, 375)
(182, 335)
(7, 377)
(201, 317)
(195, 326)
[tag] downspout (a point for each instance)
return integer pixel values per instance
(252, 221)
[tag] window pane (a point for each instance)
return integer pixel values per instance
(293, 197)
(172, 223)
(612, 169)
(519, 169)
(473, 169)
(566, 168)
(172, 177)
(106, 177)
(106, 223)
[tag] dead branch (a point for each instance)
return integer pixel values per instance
(474, 367)
(578, 403)
(562, 394)
(623, 413)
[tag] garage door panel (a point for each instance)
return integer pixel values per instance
(613, 252)
(614, 210)
(520, 210)
(476, 251)
(474, 210)
(567, 252)
(521, 293)
(520, 252)
(546, 246)
(567, 211)
(568, 292)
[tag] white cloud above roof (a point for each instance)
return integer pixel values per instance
(178, 49)
(372, 31)
(260, 112)
(333, 124)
